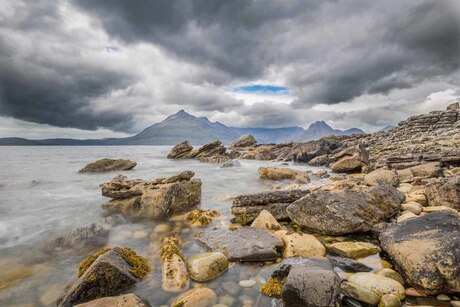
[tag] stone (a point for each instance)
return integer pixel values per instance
(422, 171)
(300, 244)
(110, 273)
(265, 155)
(349, 265)
(432, 240)
(247, 283)
(319, 161)
(198, 297)
(51, 295)
(379, 284)
(351, 159)
(244, 141)
(207, 266)
(454, 106)
(212, 149)
(181, 151)
(405, 216)
(439, 208)
(125, 300)
(386, 272)
(345, 211)
(231, 163)
(266, 221)
(175, 277)
(389, 300)
(443, 297)
(444, 192)
(354, 249)
(107, 165)
(359, 293)
(242, 244)
(382, 176)
(247, 207)
(182, 176)
(413, 207)
(281, 173)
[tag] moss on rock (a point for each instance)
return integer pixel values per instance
(273, 287)
(88, 261)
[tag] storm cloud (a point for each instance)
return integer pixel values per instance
(124, 65)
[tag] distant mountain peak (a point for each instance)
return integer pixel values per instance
(319, 124)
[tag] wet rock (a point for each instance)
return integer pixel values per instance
(201, 218)
(390, 274)
(381, 176)
(51, 295)
(198, 297)
(354, 249)
(107, 165)
(349, 265)
(212, 149)
(181, 151)
(281, 173)
(125, 300)
(244, 141)
(351, 159)
(266, 221)
(182, 176)
(231, 163)
(444, 192)
(207, 266)
(247, 207)
(247, 283)
(242, 244)
(413, 207)
(111, 272)
(300, 244)
(359, 293)
(174, 270)
(389, 300)
(378, 284)
(319, 161)
(432, 240)
(345, 211)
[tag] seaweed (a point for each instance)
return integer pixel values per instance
(88, 261)
(139, 265)
(273, 287)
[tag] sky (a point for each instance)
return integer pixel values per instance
(91, 69)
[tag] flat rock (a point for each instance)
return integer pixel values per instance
(444, 192)
(281, 173)
(426, 251)
(125, 300)
(242, 244)
(300, 244)
(107, 165)
(381, 176)
(349, 265)
(345, 211)
(354, 249)
(198, 297)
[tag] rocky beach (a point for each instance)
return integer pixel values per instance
(356, 220)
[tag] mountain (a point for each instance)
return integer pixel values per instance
(198, 130)
(387, 128)
(320, 129)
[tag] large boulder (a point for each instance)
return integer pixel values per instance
(300, 244)
(181, 151)
(339, 212)
(426, 250)
(351, 159)
(382, 176)
(246, 208)
(281, 173)
(107, 165)
(244, 141)
(422, 171)
(211, 149)
(444, 192)
(125, 300)
(105, 274)
(153, 199)
(242, 244)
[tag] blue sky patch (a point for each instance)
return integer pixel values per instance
(262, 89)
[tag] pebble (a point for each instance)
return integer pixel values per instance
(443, 297)
(413, 207)
(140, 234)
(227, 300)
(455, 303)
(247, 283)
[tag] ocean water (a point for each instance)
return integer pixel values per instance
(42, 195)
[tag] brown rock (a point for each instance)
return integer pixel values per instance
(107, 165)
(444, 192)
(125, 300)
(181, 151)
(281, 173)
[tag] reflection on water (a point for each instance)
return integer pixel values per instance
(43, 196)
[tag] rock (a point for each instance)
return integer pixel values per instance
(247, 283)
(389, 300)
(125, 300)
(265, 155)
(266, 221)
(321, 288)
(413, 207)
(405, 216)
(319, 161)
(104, 274)
(281, 173)
(439, 208)
(212, 149)
(453, 106)
(423, 171)
(351, 159)
(152, 199)
(381, 176)
(359, 293)
(207, 266)
(354, 249)
(390, 274)
(216, 159)
(247, 207)
(378, 284)
(444, 192)
(181, 151)
(300, 244)
(201, 218)
(345, 211)
(231, 163)
(107, 165)
(432, 240)
(244, 141)
(51, 295)
(443, 297)
(198, 297)
(349, 265)
(174, 270)
(242, 244)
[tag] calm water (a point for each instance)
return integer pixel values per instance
(42, 195)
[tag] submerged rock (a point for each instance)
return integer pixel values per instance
(349, 265)
(281, 173)
(107, 165)
(379, 284)
(125, 300)
(426, 251)
(244, 141)
(242, 244)
(207, 266)
(339, 212)
(231, 163)
(198, 297)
